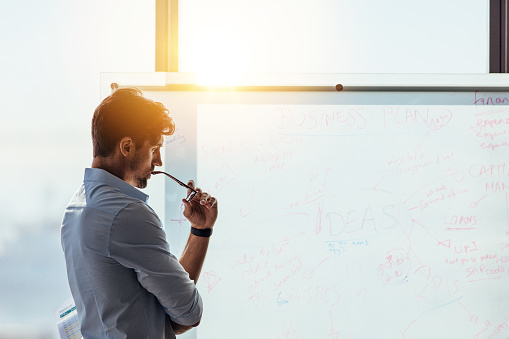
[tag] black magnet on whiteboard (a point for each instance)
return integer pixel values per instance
(339, 87)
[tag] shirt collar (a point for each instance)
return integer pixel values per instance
(100, 175)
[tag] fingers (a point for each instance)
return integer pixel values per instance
(212, 202)
(190, 183)
(203, 198)
(208, 200)
(191, 193)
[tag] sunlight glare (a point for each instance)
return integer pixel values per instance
(221, 59)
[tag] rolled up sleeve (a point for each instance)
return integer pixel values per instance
(137, 241)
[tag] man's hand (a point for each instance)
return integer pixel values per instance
(201, 211)
(181, 329)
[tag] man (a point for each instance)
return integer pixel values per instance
(123, 278)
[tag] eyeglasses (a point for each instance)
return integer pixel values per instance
(192, 192)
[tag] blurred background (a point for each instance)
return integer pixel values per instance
(52, 55)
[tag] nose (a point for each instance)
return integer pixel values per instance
(156, 161)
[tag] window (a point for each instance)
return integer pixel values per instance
(334, 36)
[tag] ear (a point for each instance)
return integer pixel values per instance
(126, 146)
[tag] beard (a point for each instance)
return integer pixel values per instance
(141, 181)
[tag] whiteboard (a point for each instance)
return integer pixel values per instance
(347, 215)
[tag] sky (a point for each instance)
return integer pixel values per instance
(52, 55)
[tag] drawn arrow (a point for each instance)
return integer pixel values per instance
(212, 280)
(280, 300)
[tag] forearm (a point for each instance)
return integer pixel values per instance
(201, 212)
(193, 255)
(181, 329)
(192, 259)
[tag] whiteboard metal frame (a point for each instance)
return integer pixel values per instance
(172, 81)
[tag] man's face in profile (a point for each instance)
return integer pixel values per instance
(146, 157)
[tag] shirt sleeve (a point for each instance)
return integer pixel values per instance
(138, 241)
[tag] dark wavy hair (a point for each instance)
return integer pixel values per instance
(127, 113)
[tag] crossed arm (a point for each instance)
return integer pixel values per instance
(202, 214)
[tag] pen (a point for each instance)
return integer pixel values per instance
(193, 191)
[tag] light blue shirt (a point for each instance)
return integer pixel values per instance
(123, 278)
